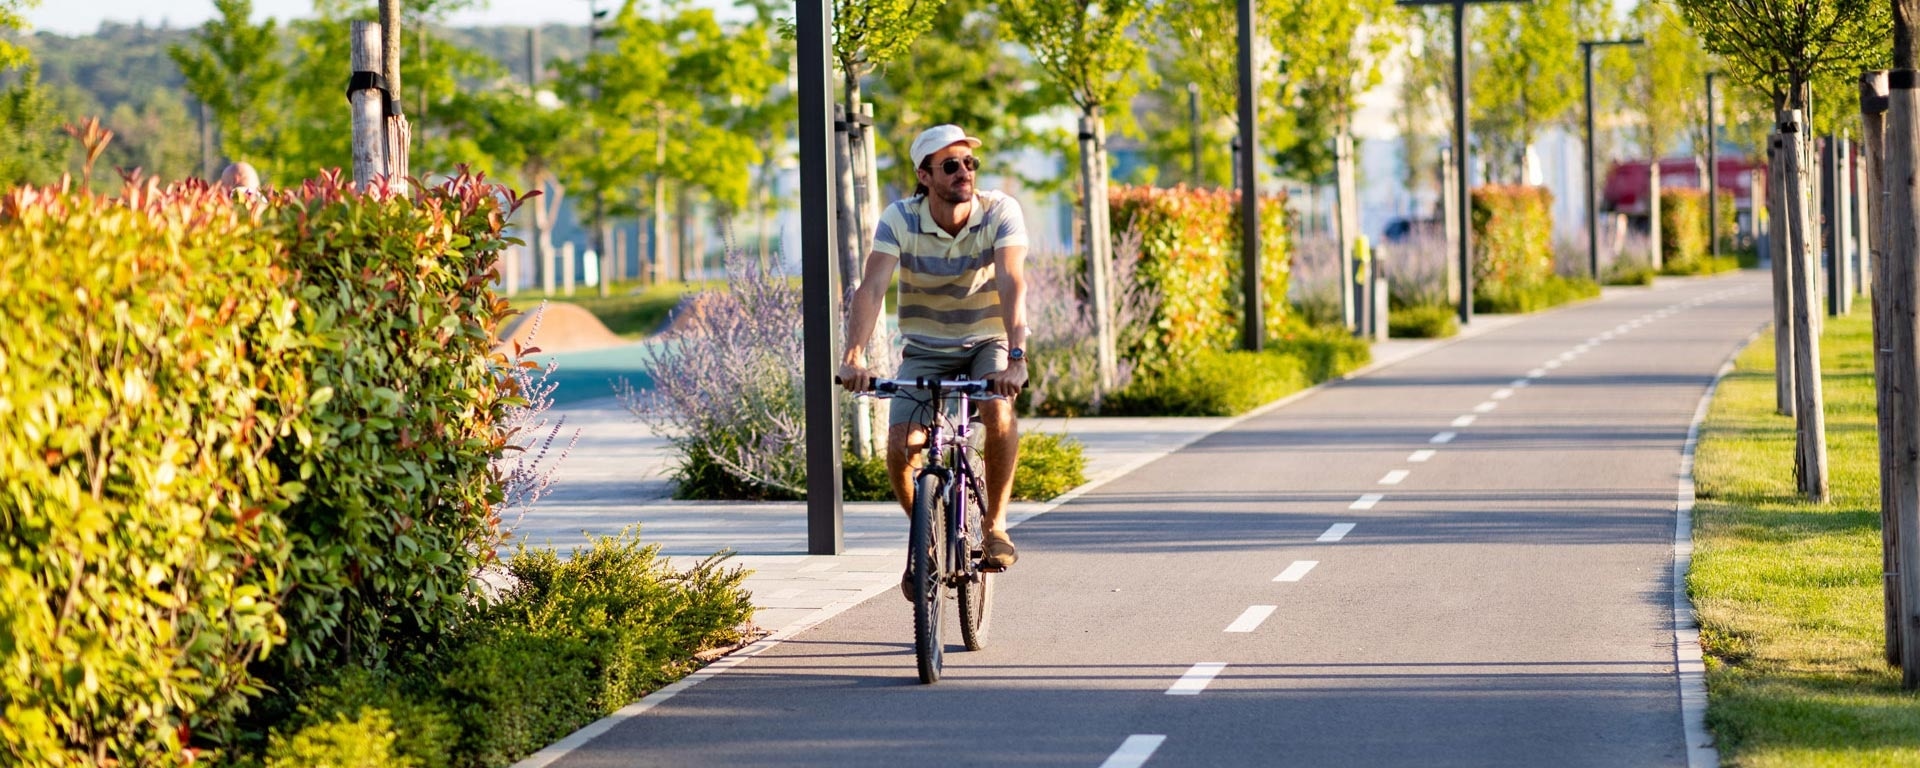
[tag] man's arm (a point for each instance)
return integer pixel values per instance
(867, 302)
(1011, 279)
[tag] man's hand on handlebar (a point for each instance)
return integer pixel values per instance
(1008, 381)
(855, 378)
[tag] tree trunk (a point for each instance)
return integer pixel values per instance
(1873, 119)
(1901, 418)
(1351, 309)
(369, 124)
(1810, 416)
(1099, 267)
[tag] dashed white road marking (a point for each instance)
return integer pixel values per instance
(1394, 477)
(1463, 420)
(1485, 407)
(1297, 571)
(1502, 394)
(1196, 679)
(1421, 455)
(1250, 619)
(1536, 373)
(1443, 438)
(1521, 383)
(1336, 532)
(1134, 752)
(1552, 364)
(1366, 502)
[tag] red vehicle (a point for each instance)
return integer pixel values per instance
(1626, 185)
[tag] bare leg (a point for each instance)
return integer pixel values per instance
(906, 443)
(1003, 454)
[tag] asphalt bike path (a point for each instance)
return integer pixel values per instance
(1465, 558)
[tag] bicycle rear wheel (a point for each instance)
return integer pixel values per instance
(926, 542)
(976, 590)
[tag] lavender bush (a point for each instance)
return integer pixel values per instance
(728, 392)
(1064, 376)
(1416, 271)
(1316, 278)
(521, 467)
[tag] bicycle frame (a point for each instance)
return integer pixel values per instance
(949, 451)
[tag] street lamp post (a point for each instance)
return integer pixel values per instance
(1713, 174)
(1593, 195)
(1463, 151)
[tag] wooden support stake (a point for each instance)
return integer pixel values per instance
(1873, 119)
(369, 109)
(1782, 294)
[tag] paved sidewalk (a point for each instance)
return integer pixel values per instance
(616, 476)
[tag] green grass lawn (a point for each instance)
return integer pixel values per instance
(632, 311)
(1789, 593)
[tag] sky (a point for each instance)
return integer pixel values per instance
(80, 17)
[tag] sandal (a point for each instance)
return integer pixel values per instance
(999, 551)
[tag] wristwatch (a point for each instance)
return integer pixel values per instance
(1016, 354)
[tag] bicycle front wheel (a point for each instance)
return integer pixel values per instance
(976, 586)
(926, 543)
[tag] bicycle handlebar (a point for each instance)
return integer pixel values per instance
(974, 388)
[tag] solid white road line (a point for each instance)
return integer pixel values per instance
(1134, 752)
(1196, 679)
(1443, 438)
(1421, 455)
(1394, 477)
(1502, 394)
(1463, 420)
(1251, 618)
(1336, 532)
(1366, 502)
(1297, 571)
(1485, 407)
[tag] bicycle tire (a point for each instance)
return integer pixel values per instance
(923, 551)
(976, 591)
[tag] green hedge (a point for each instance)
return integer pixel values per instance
(1426, 321)
(149, 362)
(1512, 238)
(242, 446)
(1190, 258)
(1683, 226)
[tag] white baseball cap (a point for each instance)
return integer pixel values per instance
(938, 138)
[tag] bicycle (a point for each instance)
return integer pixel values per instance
(944, 548)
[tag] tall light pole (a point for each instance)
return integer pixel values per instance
(1253, 326)
(1713, 173)
(1593, 194)
(1463, 150)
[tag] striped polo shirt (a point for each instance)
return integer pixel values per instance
(949, 300)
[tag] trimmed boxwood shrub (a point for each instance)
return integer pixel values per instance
(1050, 465)
(1683, 226)
(1512, 237)
(1212, 383)
(1427, 321)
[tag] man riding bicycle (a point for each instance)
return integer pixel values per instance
(961, 254)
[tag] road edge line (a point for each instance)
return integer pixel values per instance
(1690, 664)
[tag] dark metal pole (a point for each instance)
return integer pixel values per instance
(1253, 331)
(1193, 115)
(1593, 185)
(818, 278)
(1713, 176)
(1462, 154)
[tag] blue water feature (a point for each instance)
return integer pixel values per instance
(594, 374)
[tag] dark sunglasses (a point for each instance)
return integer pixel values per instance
(952, 165)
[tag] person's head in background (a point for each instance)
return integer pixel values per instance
(240, 176)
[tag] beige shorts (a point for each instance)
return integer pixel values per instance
(984, 358)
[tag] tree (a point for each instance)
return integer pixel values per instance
(1331, 56)
(31, 149)
(235, 71)
(13, 56)
(1529, 74)
(960, 71)
(1088, 49)
(1671, 82)
(668, 104)
(1781, 47)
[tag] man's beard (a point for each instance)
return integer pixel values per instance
(951, 195)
